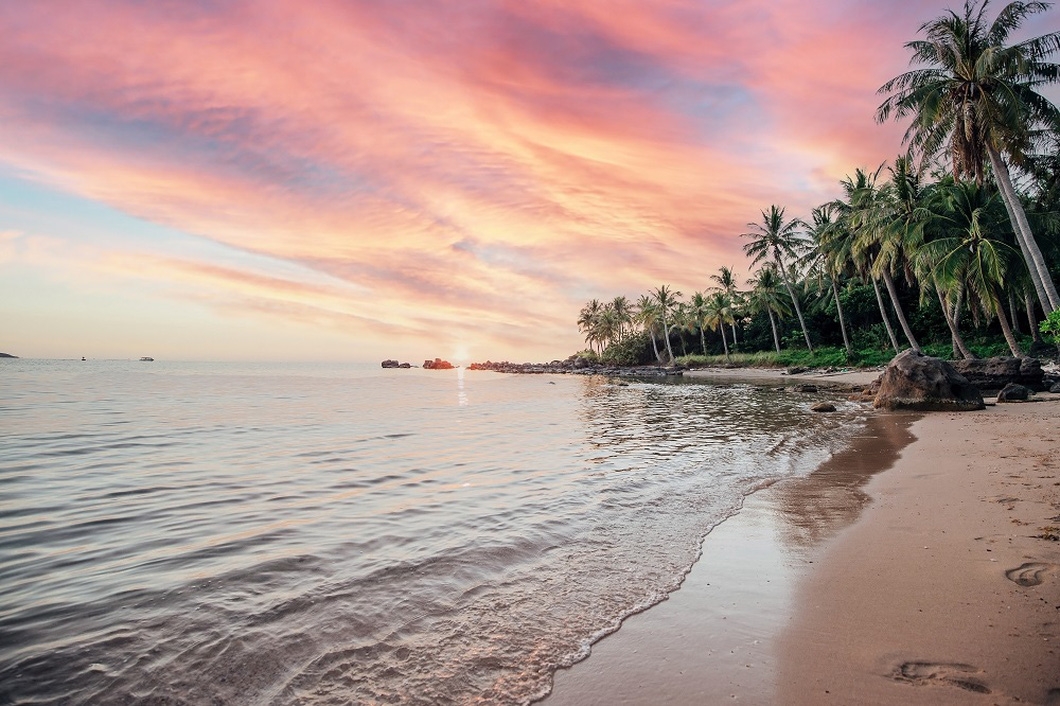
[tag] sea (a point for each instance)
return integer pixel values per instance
(193, 533)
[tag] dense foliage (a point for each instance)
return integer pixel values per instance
(952, 247)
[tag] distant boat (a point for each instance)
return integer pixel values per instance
(148, 358)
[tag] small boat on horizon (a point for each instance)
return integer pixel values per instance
(147, 358)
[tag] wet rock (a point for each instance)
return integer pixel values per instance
(1014, 392)
(437, 364)
(1055, 387)
(805, 388)
(388, 363)
(823, 407)
(914, 381)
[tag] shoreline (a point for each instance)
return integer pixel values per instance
(799, 597)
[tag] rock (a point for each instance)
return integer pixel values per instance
(437, 364)
(390, 363)
(795, 370)
(1055, 388)
(823, 407)
(406, 366)
(805, 388)
(1014, 392)
(914, 381)
(995, 373)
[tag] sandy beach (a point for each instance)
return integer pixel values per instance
(919, 566)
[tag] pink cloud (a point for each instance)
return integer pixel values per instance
(481, 164)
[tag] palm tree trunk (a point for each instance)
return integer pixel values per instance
(773, 325)
(654, 345)
(955, 335)
(724, 343)
(795, 301)
(1012, 311)
(1032, 320)
(893, 291)
(733, 334)
(666, 332)
(1007, 330)
(842, 319)
(684, 348)
(883, 313)
(1043, 281)
(702, 340)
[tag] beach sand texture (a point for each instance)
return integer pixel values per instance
(944, 588)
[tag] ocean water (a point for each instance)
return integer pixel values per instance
(285, 534)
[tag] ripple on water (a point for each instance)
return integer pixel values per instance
(331, 534)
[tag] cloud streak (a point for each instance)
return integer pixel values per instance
(483, 166)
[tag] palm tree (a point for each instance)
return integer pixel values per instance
(766, 297)
(726, 282)
(666, 299)
(821, 266)
(588, 322)
(623, 315)
(646, 313)
(697, 311)
(871, 215)
(781, 242)
(969, 256)
(719, 313)
(976, 96)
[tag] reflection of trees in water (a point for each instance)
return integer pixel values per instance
(814, 508)
(663, 417)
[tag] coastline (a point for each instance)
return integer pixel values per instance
(813, 592)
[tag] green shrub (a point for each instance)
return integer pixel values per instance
(1051, 327)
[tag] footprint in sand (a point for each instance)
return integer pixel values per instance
(1029, 574)
(959, 675)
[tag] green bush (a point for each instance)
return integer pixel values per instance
(1051, 327)
(633, 350)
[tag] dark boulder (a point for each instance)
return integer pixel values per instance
(823, 407)
(914, 381)
(1055, 387)
(805, 388)
(1014, 392)
(995, 373)
(390, 363)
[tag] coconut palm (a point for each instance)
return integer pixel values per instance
(719, 313)
(870, 216)
(623, 314)
(697, 311)
(646, 313)
(726, 282)
(971, 254)
(766, 296)
(977, 97)
(781, 242)
(588, 320)
(666, 299)
(820, 266)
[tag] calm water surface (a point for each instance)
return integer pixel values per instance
(279, 534)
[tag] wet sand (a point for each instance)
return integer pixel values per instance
(936, 591)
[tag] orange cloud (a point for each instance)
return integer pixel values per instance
(481, 167)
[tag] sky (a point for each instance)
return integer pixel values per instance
(353, 180)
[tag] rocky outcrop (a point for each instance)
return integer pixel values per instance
(437, 364)
(995, 373)
(1014, 392)
(388, 363)
(914, 381)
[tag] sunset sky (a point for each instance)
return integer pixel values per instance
(357, 179)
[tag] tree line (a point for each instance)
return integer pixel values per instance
(958, 233)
